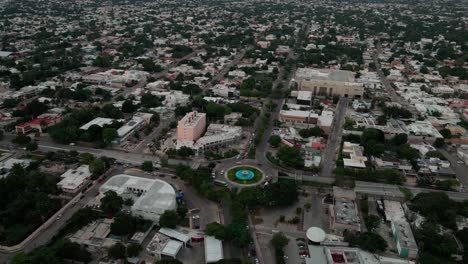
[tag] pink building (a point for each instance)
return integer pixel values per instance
(191, 127)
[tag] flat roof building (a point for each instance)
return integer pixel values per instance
(354, 156)
(95, 235)
(161, 245)
(213, 249)
(151, 196)
(401, 230)
(328, 82)
(138, 121)
(73, 180)
(344, 213)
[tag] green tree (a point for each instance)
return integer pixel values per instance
(279, 241)
(31, 146)
(117, 251)
(239, 234)
(149, 100)
(290, 156)
(274, 141)
(97, 167)
(400, 139)
(405, 151)
(110, 111)
(446, 133)
(372, 222)
(251, 197)
(109, 134)
(133, 249)
(128, 106)
(367, 241)
(185, 151)
(313, 131)
(281, 193)
(147, 166)
(168, 219)
(66, 249)
(434, 246)
(111, 203)
(439, 142)
(217, 230)
(21, 140)
(439, 208)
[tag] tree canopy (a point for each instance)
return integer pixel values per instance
(111, 203)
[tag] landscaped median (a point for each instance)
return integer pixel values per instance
(245, 175)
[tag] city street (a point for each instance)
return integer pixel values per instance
(458, 166)
(333, 144)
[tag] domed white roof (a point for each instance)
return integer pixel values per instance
(315, 234)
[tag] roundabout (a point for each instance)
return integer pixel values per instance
(245, 175)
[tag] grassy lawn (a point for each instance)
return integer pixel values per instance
(232, 175)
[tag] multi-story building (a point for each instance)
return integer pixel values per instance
(74, 180)
(328, 82)
(216, 136)
(191, 126)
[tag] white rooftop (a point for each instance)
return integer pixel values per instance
(129, 126)
(174, 234)
(324, 74)
(213, 249)
(73, 178)
(100, 121)
(172, 248)
(151, 196)
(315, 234)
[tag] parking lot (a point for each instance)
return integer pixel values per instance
(313, 213)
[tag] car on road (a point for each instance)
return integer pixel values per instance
(59, 216)
(220, 183)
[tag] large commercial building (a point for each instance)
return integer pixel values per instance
(151, 197)
(328, 82)
(216, 136)
(191, 126)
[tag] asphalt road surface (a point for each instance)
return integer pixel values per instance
(334, 141)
